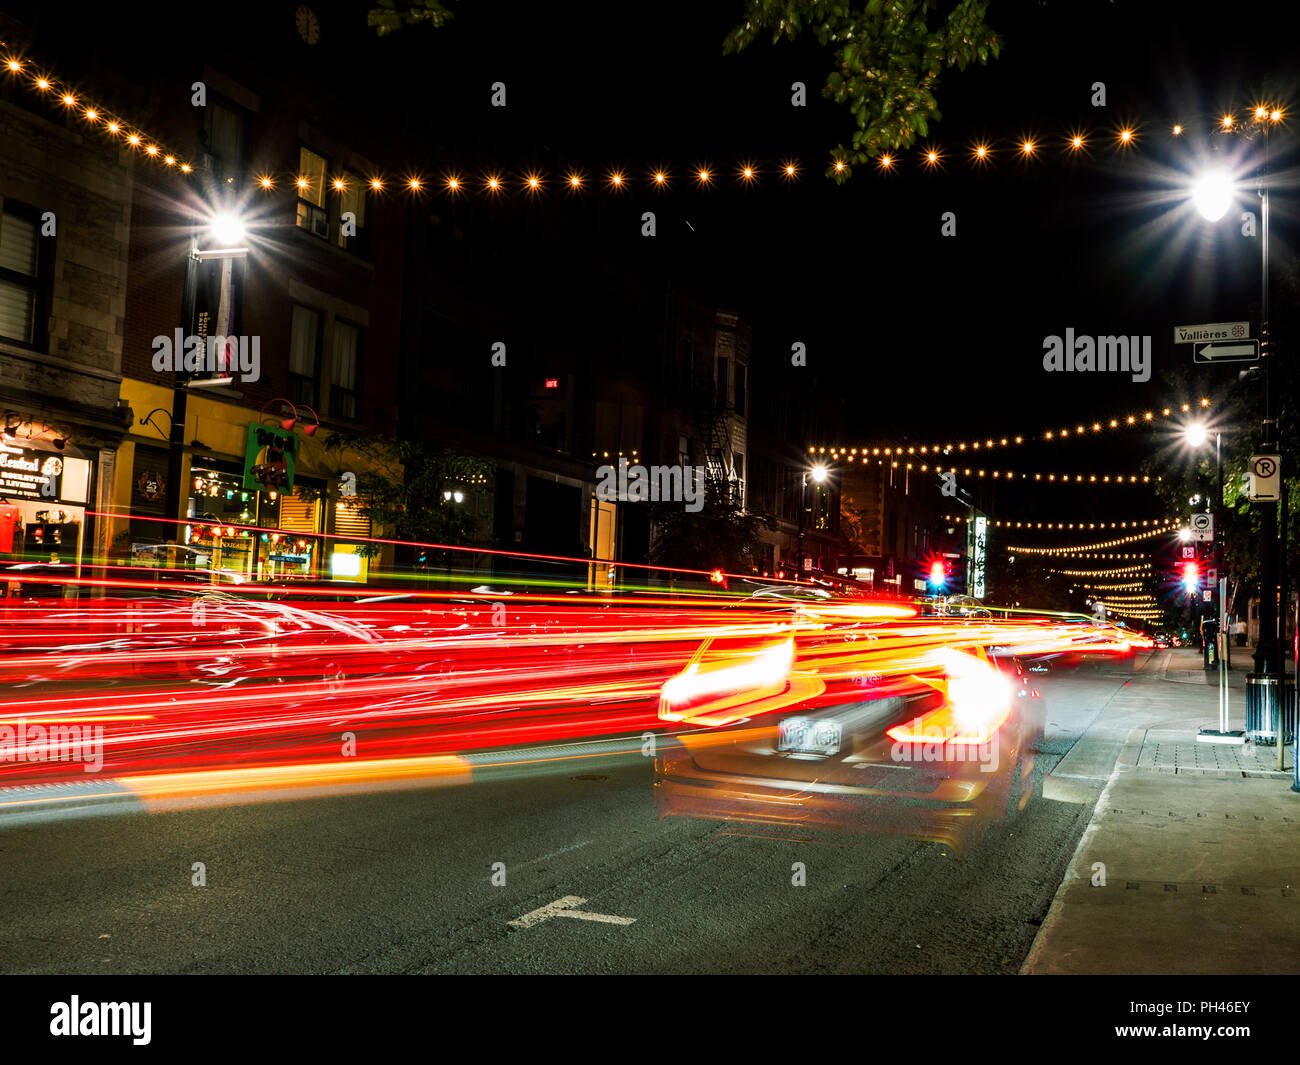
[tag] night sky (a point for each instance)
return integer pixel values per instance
(926, 336)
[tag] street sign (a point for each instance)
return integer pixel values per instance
(1199, 334)
(1265, 478)
(1189, 552)
(1202, 526)
(1237, 351)
(1207, 595)
(1211, 577)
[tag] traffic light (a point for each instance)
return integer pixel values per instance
(1191, 577)
(938, 573)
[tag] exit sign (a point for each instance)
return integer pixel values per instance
(552, 382)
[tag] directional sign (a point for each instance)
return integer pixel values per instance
(1236, 351)
(1199, 334)
(1265, 478)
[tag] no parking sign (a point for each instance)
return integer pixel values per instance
(1265, 478)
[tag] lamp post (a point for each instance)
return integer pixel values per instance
(1213, 194)
(819, 473)
(1196, 436)
(225, 234)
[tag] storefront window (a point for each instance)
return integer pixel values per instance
(213, 538)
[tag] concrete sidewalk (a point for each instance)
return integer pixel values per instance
(1191, 863)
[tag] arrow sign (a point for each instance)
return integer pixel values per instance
(1237, 351)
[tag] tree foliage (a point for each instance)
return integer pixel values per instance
(401, 484)
(1236, 414)
(887, 57)
(719, 536)
(392, 15)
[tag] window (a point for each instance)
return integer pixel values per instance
(223, 131)
(304, 356)
(352, 198)
(19, 275)
(311, 194)
(684, 451)
(325, 196)
(343, 379)
(742, 384)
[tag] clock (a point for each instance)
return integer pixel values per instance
(308, 24)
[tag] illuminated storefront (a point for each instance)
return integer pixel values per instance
(43, 497)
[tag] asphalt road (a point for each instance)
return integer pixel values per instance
(402, 882)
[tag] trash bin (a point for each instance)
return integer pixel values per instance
(1263, 707)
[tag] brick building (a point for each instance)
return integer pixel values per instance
(65, 208)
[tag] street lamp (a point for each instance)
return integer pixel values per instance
(819, 474)
(225, 233)
(1213, 193)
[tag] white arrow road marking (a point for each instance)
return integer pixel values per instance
(564, 908)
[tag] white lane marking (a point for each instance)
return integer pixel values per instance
(564, 908)
(562, 850)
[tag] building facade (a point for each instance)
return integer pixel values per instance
(65, 212)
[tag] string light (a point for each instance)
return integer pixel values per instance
(973, 471)
(1162, 530)
(1062, 525)
(1098, 426)
(1118, 571)
(981, 153)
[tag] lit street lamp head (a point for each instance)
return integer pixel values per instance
(1197, 435)
(227, 231)
(1212, 194)
(819, 474)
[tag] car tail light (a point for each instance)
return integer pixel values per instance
(977, 703)
(709, 691)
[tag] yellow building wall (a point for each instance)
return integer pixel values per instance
(222, 429)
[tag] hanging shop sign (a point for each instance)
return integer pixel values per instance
(269, 458)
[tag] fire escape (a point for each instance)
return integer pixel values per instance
(714, 429)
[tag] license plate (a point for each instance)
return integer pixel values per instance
(806, 735)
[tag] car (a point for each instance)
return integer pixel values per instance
(870, 727)
(1162, 641)
(963, 606)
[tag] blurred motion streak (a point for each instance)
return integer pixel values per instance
(204, 690)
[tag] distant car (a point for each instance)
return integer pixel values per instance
(964, 606)
(1162, 641)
